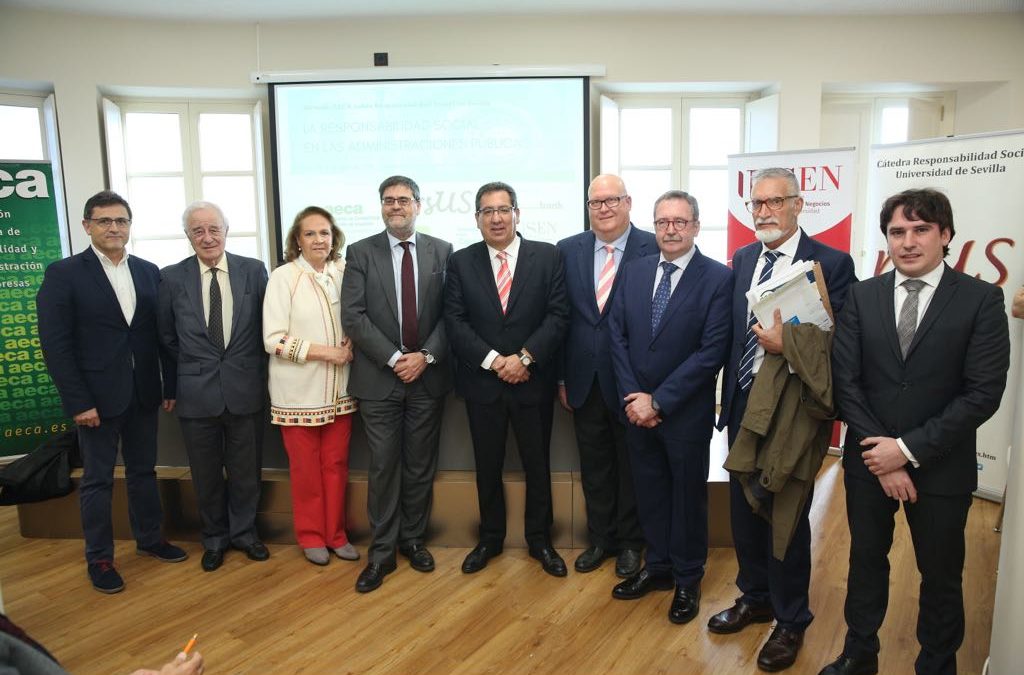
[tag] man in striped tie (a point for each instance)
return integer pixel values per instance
(506, 313)
(770, 589)
(593, 260)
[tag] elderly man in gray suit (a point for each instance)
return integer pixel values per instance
(211, 309)
(391, 307)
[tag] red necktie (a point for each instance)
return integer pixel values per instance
(504, 281)
(410, 325)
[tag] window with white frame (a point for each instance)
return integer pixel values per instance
(672, 142)
(21, 127)
(163, 156)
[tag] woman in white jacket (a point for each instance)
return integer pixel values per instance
(309, 366)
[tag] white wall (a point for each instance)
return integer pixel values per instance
(83, 56)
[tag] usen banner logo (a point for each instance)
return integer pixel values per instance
(827, 181)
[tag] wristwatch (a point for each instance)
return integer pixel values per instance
(525, 358)
(428, 356)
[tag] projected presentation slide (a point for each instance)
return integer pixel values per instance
(336, 142)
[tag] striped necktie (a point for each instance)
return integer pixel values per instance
(607, 278)
(746, 370)
(504, 280)
(661, 295)
(907, 325)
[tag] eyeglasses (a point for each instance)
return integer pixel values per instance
(610, 202)
(502, 210)
(105, 223)
(401, 201)
(199, 233)
(680, 223)
(773, 203)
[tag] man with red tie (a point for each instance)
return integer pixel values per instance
(391, 304)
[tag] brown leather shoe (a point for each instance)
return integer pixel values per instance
(739, 616)
(781, 649)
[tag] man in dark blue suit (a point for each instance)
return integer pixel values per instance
(670, 335)
(771, 588)
(593, 260)
(98, 331)
(211, 326)
(505, 315)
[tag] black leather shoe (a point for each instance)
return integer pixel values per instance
(550, 561)
(255, 551)
(781, 649)
(478, 557)
(372, 576)
(847, 665)
(640, 584)
(628, 563)
(591, 559)
(419, 557)
(739, 616)
(212, 559)
(685, 604)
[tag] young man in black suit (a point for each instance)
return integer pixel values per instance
(919, 363)
(506, 313)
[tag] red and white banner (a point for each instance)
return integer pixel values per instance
(982, 175)
(828, 181)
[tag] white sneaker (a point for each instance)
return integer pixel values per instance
(317, 556)
(347, 552)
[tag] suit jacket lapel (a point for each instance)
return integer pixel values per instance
(585, 267)
(425, 256)
(237, 278)
(519, 280)
(95, 267)
(485, 275)
(887, 307)
(804, 250)
(383, 263)
(192, 280)
(647, 271)
(687, 282)
(944, 292)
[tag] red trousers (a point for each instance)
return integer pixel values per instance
(318, 466)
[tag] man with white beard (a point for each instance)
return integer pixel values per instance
(770, 588)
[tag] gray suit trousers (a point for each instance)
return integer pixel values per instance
(402, 432)
(226, 456)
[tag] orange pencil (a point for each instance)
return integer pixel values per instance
(191, 644)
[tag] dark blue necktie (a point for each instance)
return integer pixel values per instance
(746, 371)
(662, 294)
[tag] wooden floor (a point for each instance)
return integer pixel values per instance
(287, 616)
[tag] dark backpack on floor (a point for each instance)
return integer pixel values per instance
(44, 473)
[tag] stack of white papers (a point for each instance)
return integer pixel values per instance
(795, 293)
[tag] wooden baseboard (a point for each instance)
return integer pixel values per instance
(453, 521)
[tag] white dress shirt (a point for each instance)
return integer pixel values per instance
(681, 262)
(226, 301)
(120, 277)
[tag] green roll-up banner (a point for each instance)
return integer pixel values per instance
(29, 241)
